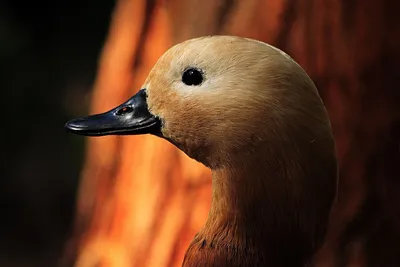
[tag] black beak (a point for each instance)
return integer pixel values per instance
(131, 117)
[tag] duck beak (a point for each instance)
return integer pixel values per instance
(132, 117)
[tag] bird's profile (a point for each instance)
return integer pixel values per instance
(250, 113)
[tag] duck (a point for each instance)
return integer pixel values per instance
(249, 112)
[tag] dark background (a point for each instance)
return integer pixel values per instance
(48, 57)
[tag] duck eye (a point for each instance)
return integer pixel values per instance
(192, 76)
(124, 110)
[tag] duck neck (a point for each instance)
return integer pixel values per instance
(258, 219)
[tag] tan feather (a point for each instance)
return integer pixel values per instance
(258, 122)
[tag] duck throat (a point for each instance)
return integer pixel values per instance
(259, 219)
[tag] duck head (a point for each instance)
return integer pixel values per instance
(216, 96)
(250, 113)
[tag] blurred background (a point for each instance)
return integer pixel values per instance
(137, 201)
(48, 58)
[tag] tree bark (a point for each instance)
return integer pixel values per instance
(141, 200)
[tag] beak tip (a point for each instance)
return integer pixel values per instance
(74, 126)
(68, 127)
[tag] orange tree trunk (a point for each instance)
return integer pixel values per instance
(141, 200)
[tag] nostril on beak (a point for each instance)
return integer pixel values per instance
(124, 110)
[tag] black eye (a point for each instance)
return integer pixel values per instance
(192, 76)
